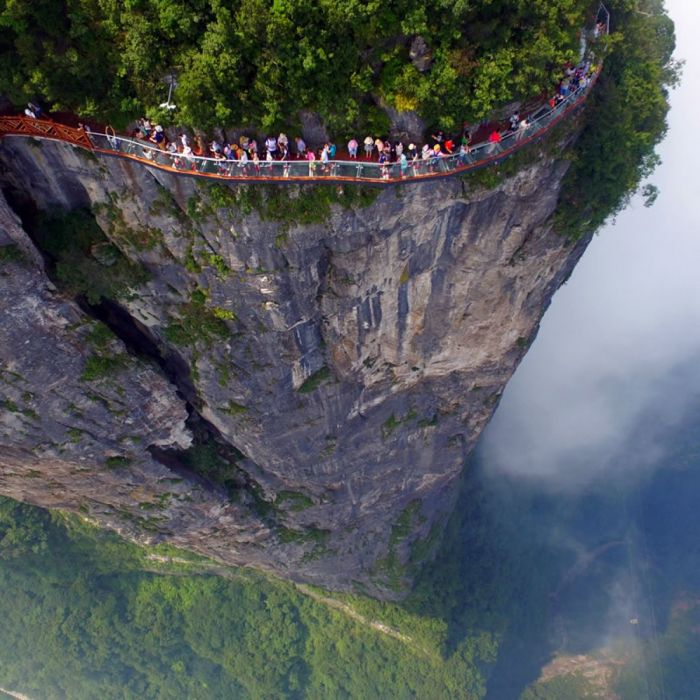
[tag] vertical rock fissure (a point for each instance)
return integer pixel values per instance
(139, 342)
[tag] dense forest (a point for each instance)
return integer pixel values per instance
(257, 62)
(86, 615)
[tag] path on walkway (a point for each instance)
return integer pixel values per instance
(481, 154)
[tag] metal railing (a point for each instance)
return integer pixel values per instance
(479, 155)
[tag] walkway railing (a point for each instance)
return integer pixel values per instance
(480, 155)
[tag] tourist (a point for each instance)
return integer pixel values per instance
(325, 157)
(271, 145)
(384, 164)
(523, 126)
(243, 160)
(311, 157)
(494, 140)
(301, 146)
(398, 149)
(514, 120)
(352, 148)
(331, 150)
(439, 137)
(379, 145)
(283, 141)
(466, 139)
(369, 146)
(141, 131)
(403, 163)
(190, 157)
(157, 135)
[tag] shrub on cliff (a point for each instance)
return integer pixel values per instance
(84, 263)
(625, 120)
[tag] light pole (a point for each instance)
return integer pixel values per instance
(170, 79)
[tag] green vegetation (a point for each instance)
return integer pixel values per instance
(100, 335)
(389, 570)
(254, 62)
(117, 462)
(11, 254)
(625, 119)
(392, 422)
(313, 381)
(234, 409)
(668, 667)
(285, 205)
(216, 463)
(101, 366)
(141, 238)
(198, 323)
(86, 615)
(294, 501)
(573, 686)
(85, 263)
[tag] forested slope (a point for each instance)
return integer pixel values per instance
(83, 618)
(255, 62)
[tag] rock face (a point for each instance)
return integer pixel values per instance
(352, 352)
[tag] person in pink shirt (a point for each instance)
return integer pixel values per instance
(311, 157)
(352, 147)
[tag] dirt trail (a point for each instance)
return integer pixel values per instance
(376, 625)
(12, 694)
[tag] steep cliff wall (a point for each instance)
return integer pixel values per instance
(351, 346)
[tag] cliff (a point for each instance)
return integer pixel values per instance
(350, 345)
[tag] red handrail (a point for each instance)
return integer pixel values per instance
(43, 128)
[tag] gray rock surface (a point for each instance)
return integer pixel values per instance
(365, 350)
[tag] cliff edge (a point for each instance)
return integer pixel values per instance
(337, 351)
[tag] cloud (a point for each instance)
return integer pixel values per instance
(617, 352)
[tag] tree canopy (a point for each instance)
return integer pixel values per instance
(259, 62)
(625, 118)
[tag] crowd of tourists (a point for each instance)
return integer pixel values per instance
(252, 156)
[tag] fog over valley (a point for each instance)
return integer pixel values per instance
(621, 340)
